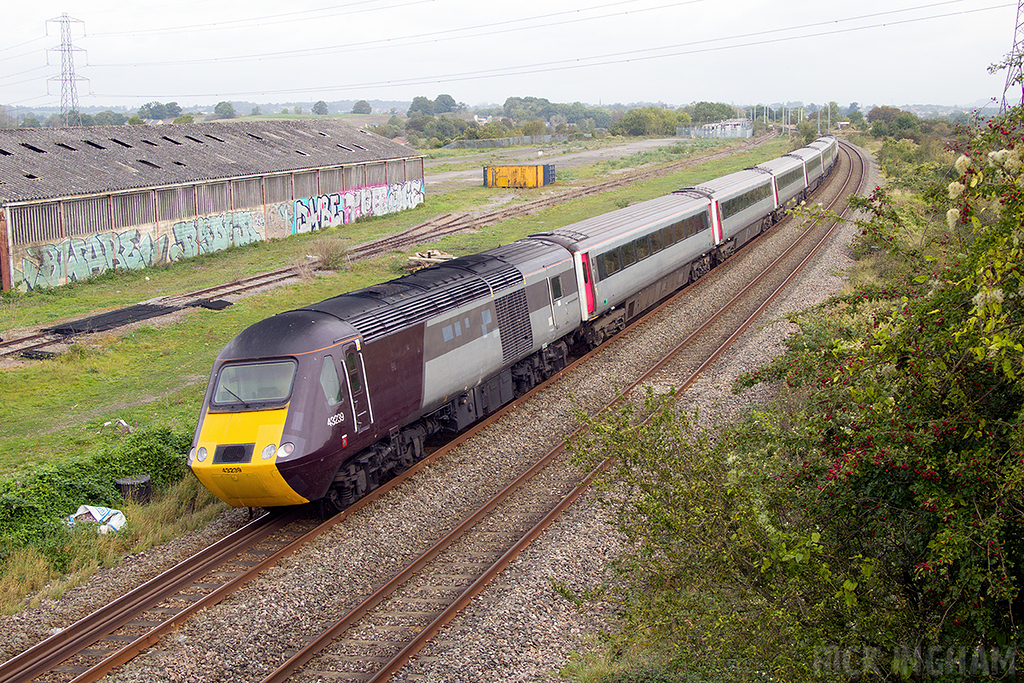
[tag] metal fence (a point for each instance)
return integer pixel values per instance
(506, 142)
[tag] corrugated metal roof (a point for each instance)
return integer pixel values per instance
(47, 163)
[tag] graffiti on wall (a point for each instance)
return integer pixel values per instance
(332, 210)
(74, 259)
(215, 233)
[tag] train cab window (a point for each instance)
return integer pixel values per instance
(353, 376)
(330, 382)
(628, 255)
(643, 248)
(556, 288)
(656, 244)
(254, 383)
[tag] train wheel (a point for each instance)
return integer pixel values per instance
(331, 504)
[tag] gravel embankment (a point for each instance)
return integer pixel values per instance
(520, 628)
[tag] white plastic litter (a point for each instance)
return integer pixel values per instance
(109, 520)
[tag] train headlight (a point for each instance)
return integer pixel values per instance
(201, 454)
(191, 455)
(268, 452)
(285, 450)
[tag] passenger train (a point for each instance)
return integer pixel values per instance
(325, 402)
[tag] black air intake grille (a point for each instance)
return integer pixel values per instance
(233, 454)
(514, 325)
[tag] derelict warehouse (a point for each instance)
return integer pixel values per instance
(76, 202)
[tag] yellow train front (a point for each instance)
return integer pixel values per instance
(277, 419)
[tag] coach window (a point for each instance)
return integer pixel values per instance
(556, 288)
(668, 235)
(612, 263)
(330, 382)
(700, 223)
(628, 254)
(643, 249)
(656, 244)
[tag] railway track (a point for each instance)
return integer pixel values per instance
(416, 602)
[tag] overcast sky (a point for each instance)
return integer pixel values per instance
(596, 51)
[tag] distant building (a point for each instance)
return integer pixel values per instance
(76, 202)
(731, 128)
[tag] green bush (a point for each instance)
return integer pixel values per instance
(33, 506)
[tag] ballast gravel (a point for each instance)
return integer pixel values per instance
(526, 625)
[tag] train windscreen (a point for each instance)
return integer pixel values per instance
(243, 384)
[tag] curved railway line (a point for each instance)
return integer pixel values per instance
(376, 637)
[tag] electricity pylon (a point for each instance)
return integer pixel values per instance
(1014, 74)
(68, 79)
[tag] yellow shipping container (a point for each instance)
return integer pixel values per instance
(519, 176)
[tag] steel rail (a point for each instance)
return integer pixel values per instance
(100, 623)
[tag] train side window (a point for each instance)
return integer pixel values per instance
(353, 375)
(643, 249)
(612, 263)
(628, 254)
(682, 230)
(656, 244)
(668, 235)
(330, 382)
(556, 288)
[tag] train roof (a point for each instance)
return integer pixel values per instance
(806, 153)
(582, 235)
(732, 182)
(781, 164)
(409, 300)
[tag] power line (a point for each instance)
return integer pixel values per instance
(422, 38)
(440, 36)
(608, 59)
(283, 18)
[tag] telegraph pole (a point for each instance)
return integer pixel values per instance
(1014, 74)
(69, 113)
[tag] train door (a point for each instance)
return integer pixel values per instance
(717, 228)
(588, 285)
(562, 303)
(358, 392)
